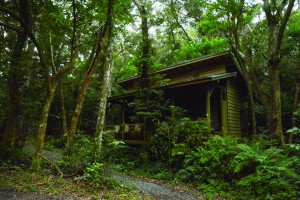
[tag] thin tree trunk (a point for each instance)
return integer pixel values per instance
(295, 107)
(106, 84)
(145, 80)
(40, 138)
(85, 86)
(242, 64)
(105, 90)
(175, 16)
(62, 101)
(253, 116)
(51, 87)
(277, 118)
(296, 102)
(63, 110)
(145, 68)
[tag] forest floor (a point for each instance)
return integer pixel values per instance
(17, 182)
(131, 188)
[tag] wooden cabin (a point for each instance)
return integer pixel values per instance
(209, 87)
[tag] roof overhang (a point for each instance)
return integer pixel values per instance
(224, 58)
(207, 79)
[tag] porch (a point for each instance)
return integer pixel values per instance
(205, 100)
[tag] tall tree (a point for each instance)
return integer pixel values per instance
(96, 58)
(52, 83)
(105, 81)
(263, 64)
(145, 66)
(15, 77)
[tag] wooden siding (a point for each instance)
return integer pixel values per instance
(195, 74)
(234, 107)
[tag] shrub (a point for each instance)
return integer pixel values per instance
(174, 137)
(82, 155)
(94, 176)
(211, 161)
(245, 170)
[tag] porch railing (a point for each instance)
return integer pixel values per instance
(128, 132)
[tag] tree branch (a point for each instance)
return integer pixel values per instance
(12, 14)
(73, 42)
(10, 27)
(267, 9)
(74, 49)
(282, 26)
(177, 21)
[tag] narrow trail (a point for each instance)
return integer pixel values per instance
(158, 191)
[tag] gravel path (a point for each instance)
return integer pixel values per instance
(158, 191)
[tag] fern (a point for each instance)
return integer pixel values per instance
(253, 170)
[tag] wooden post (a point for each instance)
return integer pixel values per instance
(224, 121)
(122, 119)
(208, 94)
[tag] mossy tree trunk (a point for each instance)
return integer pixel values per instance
(52, 83)
(86, 83)
(40, 138)
(276, 22)
(63, 110)
(277, 16)
(145, 67)
(145, 62)
(105, 83)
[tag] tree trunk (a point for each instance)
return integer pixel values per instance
(145, 69)
(15, 78)
(145, 65)
(295, 107)
(85, 86)
(175, 16)
(105, 85)
(51, 87)
(105, 90)
(277, 118)
(243, 68)
(276, 22)
(296, 102)
(40, 138)
(63, 110)
(253, 116)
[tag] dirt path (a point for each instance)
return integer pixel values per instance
(157, 190)
(11, 194)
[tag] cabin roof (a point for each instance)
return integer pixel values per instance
(207, 61)
(203, 61)
(199, 80)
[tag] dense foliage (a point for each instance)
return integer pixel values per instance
(61, 59)
(253, 170)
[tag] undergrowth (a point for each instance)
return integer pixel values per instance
(81, 176)
(230, 167)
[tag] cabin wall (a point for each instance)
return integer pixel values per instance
(235, 106)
